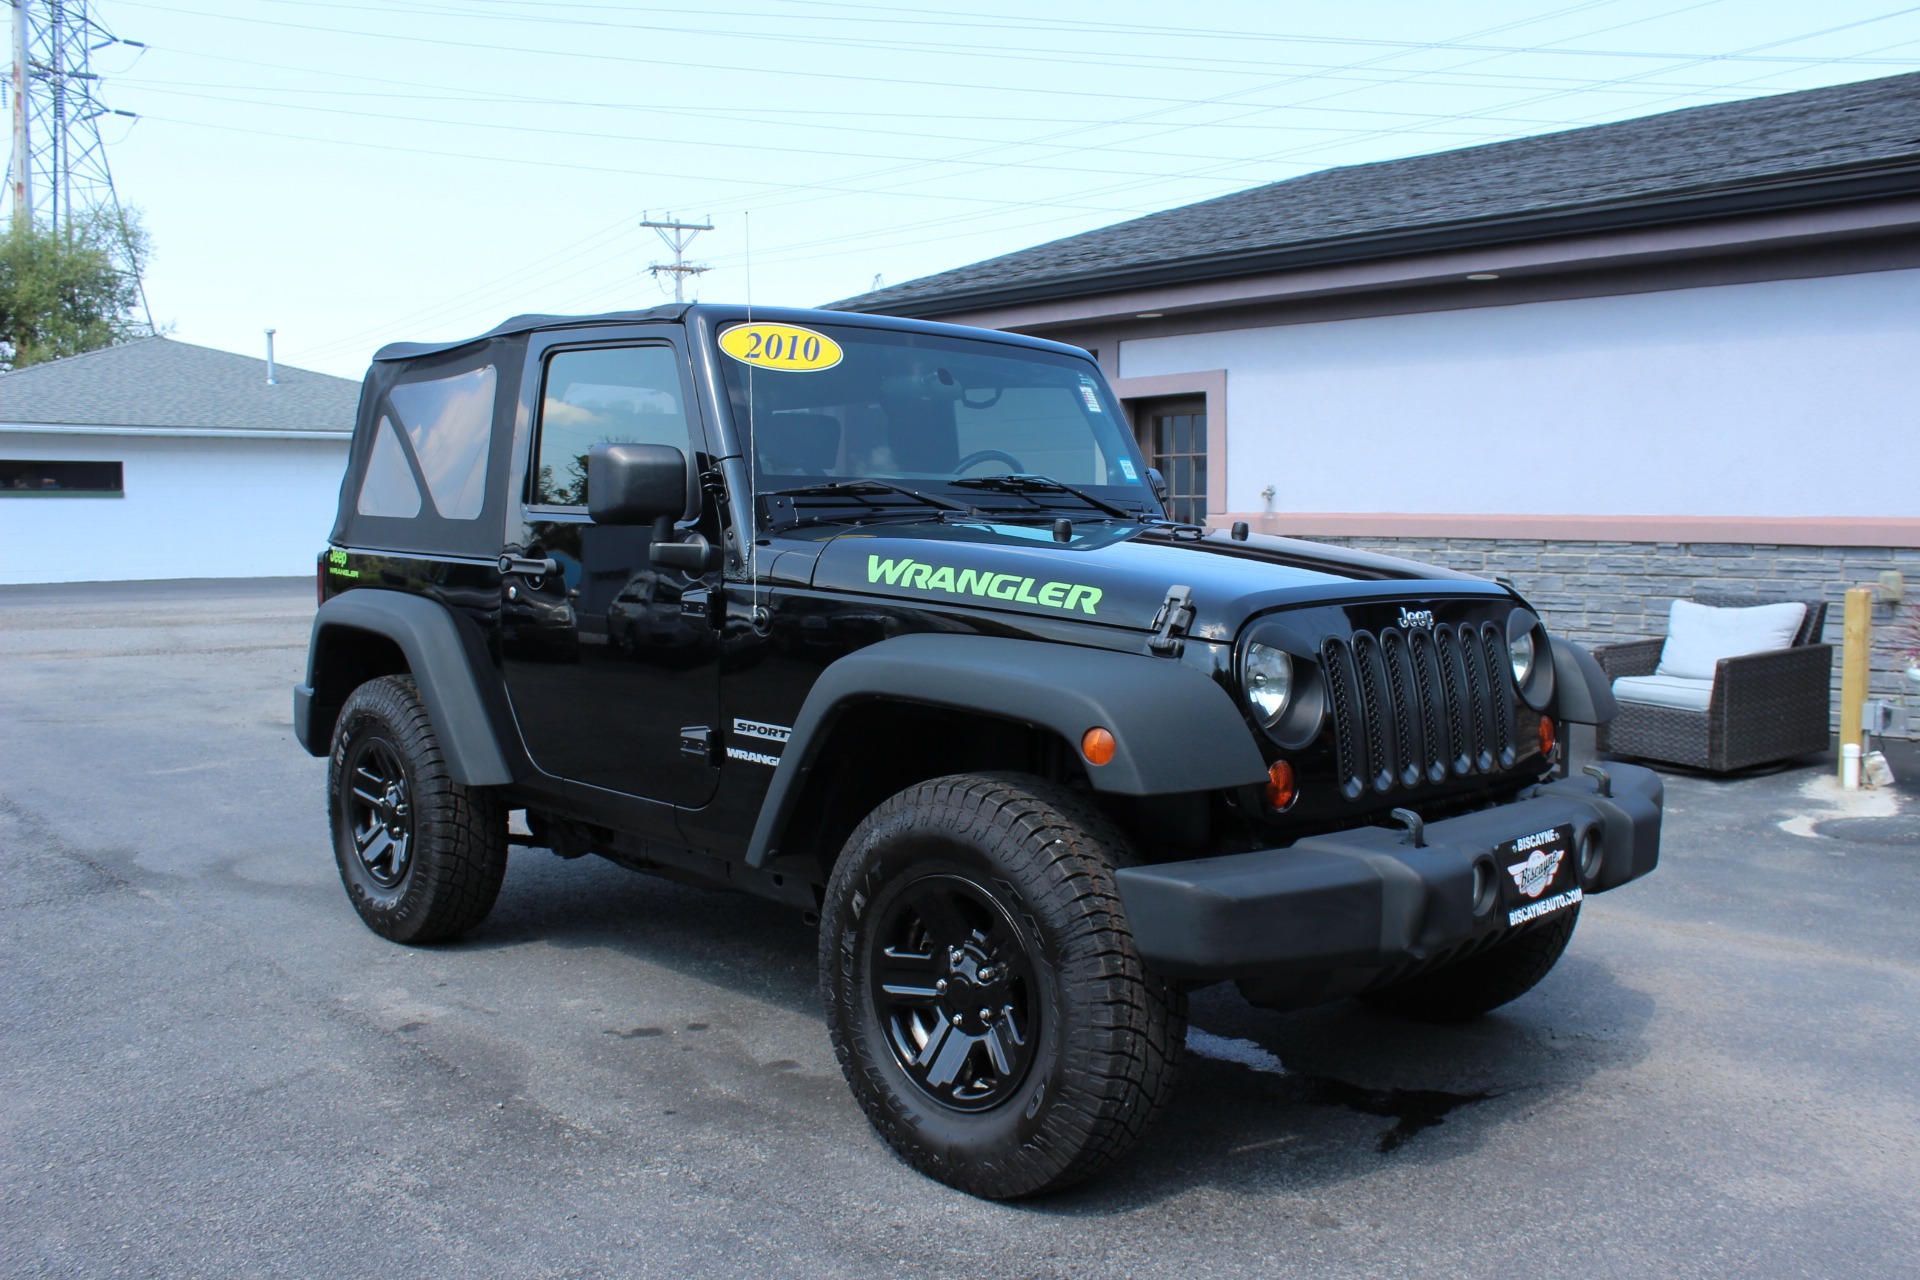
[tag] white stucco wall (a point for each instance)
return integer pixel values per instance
(1783, 398)
(194, 508)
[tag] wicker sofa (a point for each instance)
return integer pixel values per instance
(1764, 706)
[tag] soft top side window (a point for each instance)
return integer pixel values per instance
(449, 422)
(388, 488)
(607, 395)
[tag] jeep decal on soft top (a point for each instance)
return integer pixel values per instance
(912, 573)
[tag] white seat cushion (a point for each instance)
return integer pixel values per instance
(1679, 692)
(1699, 635)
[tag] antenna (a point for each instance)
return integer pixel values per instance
(753, 454)
(57, 175)
(678, 235)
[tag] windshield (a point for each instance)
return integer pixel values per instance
(928, 413)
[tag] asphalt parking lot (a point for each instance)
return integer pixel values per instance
(209, 1067)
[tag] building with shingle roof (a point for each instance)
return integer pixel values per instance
(162, 459)
(1616, 364)
(1767, 155)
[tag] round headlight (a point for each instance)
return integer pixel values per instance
(1268, 676)
(1520, 652)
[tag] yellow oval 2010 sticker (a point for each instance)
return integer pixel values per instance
(781, 346)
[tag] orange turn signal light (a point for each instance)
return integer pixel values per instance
(1280, 785)
(1547, 738)
(1097, 745)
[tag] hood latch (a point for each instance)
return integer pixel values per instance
(1171, 622)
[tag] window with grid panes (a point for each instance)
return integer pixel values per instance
(1177, 440)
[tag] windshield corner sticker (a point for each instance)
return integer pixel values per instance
(1091, 396)
(1126, 469)
(786, 347)
(1011, 587)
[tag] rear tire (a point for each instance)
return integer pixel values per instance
(985, 998)
(1468, 988)
(421, 855)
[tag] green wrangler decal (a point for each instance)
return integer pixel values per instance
(973, 582)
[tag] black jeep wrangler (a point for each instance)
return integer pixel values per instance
(886, 620)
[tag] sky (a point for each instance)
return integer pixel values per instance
(369, 171)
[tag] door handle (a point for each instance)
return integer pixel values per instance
(531, 568)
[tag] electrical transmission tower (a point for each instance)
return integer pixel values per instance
(57, 174)
(678, 236)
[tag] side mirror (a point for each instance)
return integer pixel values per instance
(1158, 483)
(636, 483)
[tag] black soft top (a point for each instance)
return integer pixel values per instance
(527, 324)
(711, 313)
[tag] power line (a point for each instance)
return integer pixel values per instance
(915, 174)
(682, 63)
(544, 16)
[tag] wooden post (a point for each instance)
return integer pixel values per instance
(1857, 644)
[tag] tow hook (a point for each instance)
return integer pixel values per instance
(1416, 828)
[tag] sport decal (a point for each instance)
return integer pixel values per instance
(765, 732)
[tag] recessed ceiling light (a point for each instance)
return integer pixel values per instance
(1484, 275)
(1150, 315)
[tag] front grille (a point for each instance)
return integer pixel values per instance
(1413, 707)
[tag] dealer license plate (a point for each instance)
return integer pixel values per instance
(1538, 874)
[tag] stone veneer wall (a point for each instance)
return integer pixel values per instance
(1608, 592)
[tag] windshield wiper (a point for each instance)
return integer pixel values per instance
(859, 488)
(1020, 482)
(863, 491)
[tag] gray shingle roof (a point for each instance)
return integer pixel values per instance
(1774, 152)
(159, 382)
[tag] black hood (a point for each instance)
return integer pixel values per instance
(1117, 574)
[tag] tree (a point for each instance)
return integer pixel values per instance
(62, 291)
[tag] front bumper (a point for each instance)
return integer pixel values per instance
(1366, 899)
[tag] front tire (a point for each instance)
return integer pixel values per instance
(421, 855)
(985, 998)
(1481, 983)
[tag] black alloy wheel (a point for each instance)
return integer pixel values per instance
(379, 813)
(421, 856)
(954, 988)
(987, 1004)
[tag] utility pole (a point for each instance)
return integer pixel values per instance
(678, 235)
(57, 174)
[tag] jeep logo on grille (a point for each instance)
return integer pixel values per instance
(1417, 618)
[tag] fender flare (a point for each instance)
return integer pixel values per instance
(1174, 729)
(444, 661)
(1582, 694)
